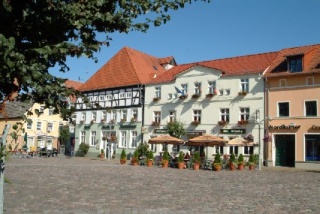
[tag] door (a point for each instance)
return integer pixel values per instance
(285, 150)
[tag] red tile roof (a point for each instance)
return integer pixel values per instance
(241, 65)
(73, 84)
(311, 61)
(128, 67)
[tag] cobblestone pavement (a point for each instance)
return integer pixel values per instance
(84, 185)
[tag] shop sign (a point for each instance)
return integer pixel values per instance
(195, 133)
(160, 131)
(232, 131)
(128, 126)
(291, 126)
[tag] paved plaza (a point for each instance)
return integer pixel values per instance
(84, 185)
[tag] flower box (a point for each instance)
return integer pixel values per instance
(209, 95)
(267, 138)
(133, 120)
(81, 121)
(243, 93)
(223, 122)
(103, 121)
(123, 120)
(182, 97)
(92, 122)
(112, 121)
(195, 123)
(156, 99)
(195, 96)
(243, 122)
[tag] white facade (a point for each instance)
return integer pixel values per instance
(209, 110)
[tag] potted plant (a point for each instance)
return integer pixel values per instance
(102, 155)
(251, 162)
(217, 162)
(150, 158)
(195, 96)
(210, 95)
(240, 162)
(196, 160)
(156, 99)
(135, 158)
(165, 159)
(181, 160)
(232, 162)
(123, 157)
(154, 123)
(222, 122)
(195, 122)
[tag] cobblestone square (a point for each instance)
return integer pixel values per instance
(84, 185)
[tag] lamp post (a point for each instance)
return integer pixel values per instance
(259, 136)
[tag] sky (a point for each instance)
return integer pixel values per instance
(219, 29)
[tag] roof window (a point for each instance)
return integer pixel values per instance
(295, 64)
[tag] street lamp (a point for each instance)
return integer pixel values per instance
(259, 136)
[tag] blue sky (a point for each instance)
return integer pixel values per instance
(219, 29)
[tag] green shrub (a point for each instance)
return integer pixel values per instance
(166, 155)
(217, 159)
(181, 157)
(123, 154)
(196, 157)
(83, 149)
(150, 156)
(240, 159)
(232, 158)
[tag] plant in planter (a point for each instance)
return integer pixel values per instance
(123, 120)
(133, 120)
(150, 158)
(240, 162)
(135, 158)
(195, 96)
(103, 120)
(243, 122)
(181, 160)
(92, 121)
(217, 163)
(165, 159)
(249, 137)
(196, 160)
(243, 93)
(102, 155)
(182, 97)
(267, 138)
(155, 123)
(195, 123)
(232, 162)
(251, 163)
(210, 95)
(123, 157)
(222, 122)
(156, 99)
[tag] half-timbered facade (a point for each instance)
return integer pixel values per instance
(114, 118)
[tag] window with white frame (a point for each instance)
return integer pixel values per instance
(114, 116)
(153, 147)
(50, 127)
(233, 150)
(221, 92)
(197, 115)
(101, 98)
(211, 87)
(83, 116)
(197, 88)
(184, 89)
(82, 137)
(129, 94)
(94, 116)
(41, 110)
(226, 92)
(310, 80)
(134, 114)
(218, 149)
(29, 125)
(39, 124)
(248, 150)
(122, 95)
(283, 82)
(311, 108)
(134, 140)
(104, 115)
(123, 139)
(169, 96)
(172, 116)
(123, 115)
(50, 111)
(157, 116)
(244, 85)
(175, 95)
(93, 138)
(91, 98)
(109, 96)
(224, 114)
(244, 114)
(157, 91)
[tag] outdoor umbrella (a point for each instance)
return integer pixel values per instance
(206, 140)
(166, 139)
(238, 141)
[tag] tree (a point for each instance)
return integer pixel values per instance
(36, 35)
(64, 135)
(176, 129)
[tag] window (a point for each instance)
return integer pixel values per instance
(123, 115)
(157, 116)
(134, 113)
(311, 108)
(40, 142)
(83, 137)
(29, 125)
(104, 115)
(153, 147)
(295, 64)
(93, 138)
(283, 83)
(157, 91)
(41, 110)
(129, 94)
(175, 96)
(197, 115)
(184, 89)
(50, 111)
(122, 95)
(83, 116)
(310, 80)
(39, 125)
(218, 149)
(133, 139)
(211, 87)
(244, 113)
(114, 116)
(244, 85)
(224, 114)
(234, 150)
(50, 127)
(197, 88)
(248, 150)
(220, 92)
(312, 147)
(172, 116)
(170, 96)
(227, 92)
(94, 116)
(101, 98)
(91, 98)
(123, 140)
(109, 97)
(283, 109)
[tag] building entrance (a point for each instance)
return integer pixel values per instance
(285, 150)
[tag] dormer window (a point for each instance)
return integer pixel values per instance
(295, 64)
